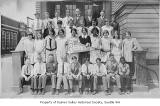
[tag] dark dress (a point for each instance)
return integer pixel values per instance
(46, 32)
(84, 55)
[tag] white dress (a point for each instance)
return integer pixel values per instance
(29, 46)
(105, 46)
(39, 45)
(109, 29)
(116, 49)
(61, 48)
(128, 45)
(95, 41)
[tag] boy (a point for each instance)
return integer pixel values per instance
(51, 72)
(39, 76)
(100, 71)
(26, 75)
(59, 26)
(62, 74)
(87, 78)
(112, 69)
(29, 47)
(75, 74)
(50, 44)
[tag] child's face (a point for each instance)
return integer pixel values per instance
(116, 34)
(107, 22)
(50, 58)
(111, 58)
(73, 33)
(46, 15)
(30, 36)
(67, 13)
(49, 25)
(61, 34)
(102, 14)
(84, 32)
(95, 32)
(127, 35)
(51, 33)
(82, 24)
(56, 14)
(98, 62)
(93, 23)
(37, 16)
(39, 36)
(122, 61)
(105, 35)
(74, 60)
(59, 25)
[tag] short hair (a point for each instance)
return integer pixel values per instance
(111, 54)
(59, 22)
(105, 31)
(128, 32)
(61, 30)
(52, 30)
(122, 57)
(95, 28)
(102, 11)
(98, 59)
(74, 29)
(85, 29)
(74, 57)
(30, 34)
(117, 33)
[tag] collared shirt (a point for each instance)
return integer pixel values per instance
(75, 68)
(27, 70)
(29, 45)
(39, 68)
(65, 20)
(39, 44)
(112, 67)
(50, 42)
(66, 68)
(100, 69)
(90, 69)
(124, 69)
(51, 67)
(37, 24)
(55, 21)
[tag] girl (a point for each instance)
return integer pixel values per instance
(39, 46)
(61, 42)
(128, 47)
(73, 38)
(79, 29)
(95, 40)
(105, 46)
(116, 45)
(69, 28)
(85, 40)
(91, 27)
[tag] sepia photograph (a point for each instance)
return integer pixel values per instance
(83, 49)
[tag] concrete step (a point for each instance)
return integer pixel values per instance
(134, 88)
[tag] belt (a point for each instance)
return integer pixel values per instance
(50, 49)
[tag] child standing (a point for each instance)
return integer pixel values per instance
(39, 46)
(50, 44)
(29, 47)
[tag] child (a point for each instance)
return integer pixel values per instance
(105, 46)
(87, 78)
(85, 40)
(63, 72)
(51, 72)
(59, 26)
(108, 28)
(96, 41)
(124, 72)
(39, 76)
(69, 28)
(61, 42)
(75, 74)
(73, 38)
(50, 44)
(39, 46)
(116, 46)
(112, 69)
(29, 47)
(91, 27)
(79, 29)
(26, 75)
(128, 47)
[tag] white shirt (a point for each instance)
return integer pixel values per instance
(90, 69)
(95, 42)
(65, 20)
(101, 69)
(29, 45)
(90, 29)
(39, 68)
(109, 29)
(55, 21)
(39, 44)
(27, 70)
(105, 43)
(66, 68)
(61, 43)
(37, 24)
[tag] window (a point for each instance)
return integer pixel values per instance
(11, 40)
(86, 8)
(8, 40)
(3, 40)
(72, 9)
(15, 40)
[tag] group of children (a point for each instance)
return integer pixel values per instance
(48, 57)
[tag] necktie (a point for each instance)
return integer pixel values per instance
(63, 69)
(50, 43)
(87, 69)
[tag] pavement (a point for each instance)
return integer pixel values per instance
(6, 70)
